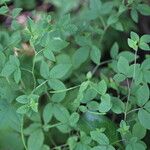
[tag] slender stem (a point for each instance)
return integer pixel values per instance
(34, 60)
(102, 36)
(24, 69)
(128, 98)
(130, 85)
(131, 111)
(103, 22)
(22, 135)
(96, 113)
(64, 90)
(97, 66)
(40, 85)
(56, 147)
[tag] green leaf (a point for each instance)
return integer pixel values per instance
(145, 38)
(49, 54)
(119, 77)
(144, 9)
(144, 46)
(134, 36)
(74, 118)
(123, 65)
(112, 19)
(61, 113)
(145, 65)
(144, 118)
(3, 10)
(80, 56)
(127, 55)
(59, 86)
(99, 137)
(36, 140)
(135, 146)
(56, 44)
(44, 70)
(114, 50)
(93, 105)
(105, 104)
(138, 131)
(88, 95)
(134, 15)
(16, 12)
(132, 44)
(17, 75)
(142, 95)
(23, 109)
(106, 7)
(47, 113)
(118, 106)
(102, 87)
(147, 106)
(95, 55)
(8, 70)
(23, 99)
(8, 116)
(59, 71)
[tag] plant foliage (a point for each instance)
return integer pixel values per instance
(59, 91)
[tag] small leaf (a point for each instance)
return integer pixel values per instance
(144, 118)
(23, 109)
(23, 99)
(118, 106)
(112, 19)
(57, 85)
(3, 10)
(123, 65)
(47, 113)
(134, 36)
(74, 118)
(144, 9)
(56, 44)
(80, 56)
(105, 104)
(144, 46)
(114, 50)
(134, 15)
(142, 95)
(16, 12)
(35, 140)
(61, 113)
(99, 137)
(95, 55)
(102, 87)
(132, 44)
(60, 70)
(44, 70)
(145, 38)
(119, 77)
(49, 54)
(17, 75)
(138, 131)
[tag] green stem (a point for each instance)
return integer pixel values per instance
(129, 86)
(60, 91)
(128, 98)
(96, 113)
(40, 85)
(34, 61)
(22, 135)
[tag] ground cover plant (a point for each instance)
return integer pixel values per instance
(74, 75)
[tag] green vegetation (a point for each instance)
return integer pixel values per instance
(74, 76)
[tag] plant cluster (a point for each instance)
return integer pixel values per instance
(74, 79)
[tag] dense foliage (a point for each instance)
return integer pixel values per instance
(75, 77)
